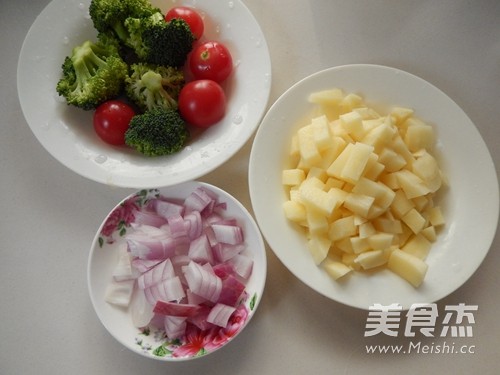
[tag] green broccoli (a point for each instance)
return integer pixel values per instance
(157, 132)
(92, 74)
(110, 15)
(150, 86)
(159, 42)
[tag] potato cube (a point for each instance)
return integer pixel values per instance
(400, 204)
(356, 162)
(371, 259)
(418, 246)
(407, 266)
(318, 247)
(336, 168)
(391, 160)
(292, 177)
(436, 217)
(426, 167)
(321, 132)
(348, 260)
(366, 229)
(386, 225)
(418, 135)
(349, 102)
(379, 137)
(412, 185)
(294, 211)
(344, 245)
(415, 221)
(429, 233)
(331, 97)
(309, 153)
(335, 269)
(400, 114)
(359, 244)
(316, 222)
(373, 168)
(342, 228)
(359, 204)
(352, 122)
(380, 241)
(318, 173)
(317, 199)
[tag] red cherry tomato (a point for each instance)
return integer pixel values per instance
(111, 120)
(202, 103)
(211, 60)
(192, 18)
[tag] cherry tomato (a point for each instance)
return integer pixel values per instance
(111, 120)
(192, 18)
(211, 60)
(202, 103)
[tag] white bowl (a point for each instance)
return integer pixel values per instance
(471, 204)
(67, 132)
(117, 320)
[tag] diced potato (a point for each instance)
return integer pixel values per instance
(309, 153)
(317, 199)
(359, 204)
(318, 173)
(349, 102)
(292, 177)
(331, 97)
(401, 204)
(426, 167)
(356, 162)
(352, 122)
(362, 186)
(400, 114)
(373, 168)
(418, 135)
(366, 229)
(407, 266)
(318, 247)
(317, 222)
(335, 269)
(371, 259)
(436, 217)
(387, 225)
(359, 245)
(380, 241)
(295, 211)
(418, 246)
(415, 221)
(429, 233)
(412, 185)
(379, 137)
(321, 132)
(391, 160)
(336, 168)
(342, 228)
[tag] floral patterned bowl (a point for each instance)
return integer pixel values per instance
(151, 340)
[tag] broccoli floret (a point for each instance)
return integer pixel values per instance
(110, 15)
(159, 42)
(157, 132)
(92, 74)
(151, 86)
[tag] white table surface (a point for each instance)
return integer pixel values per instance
(49, 214)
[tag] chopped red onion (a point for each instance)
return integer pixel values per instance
(220, 314)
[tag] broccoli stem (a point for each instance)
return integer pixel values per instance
(154, 82)
(86, 62)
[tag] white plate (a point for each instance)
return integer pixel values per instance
(67, 133)
(471, 205)
(103, 259)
